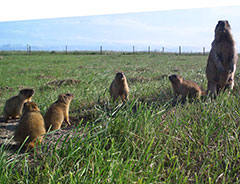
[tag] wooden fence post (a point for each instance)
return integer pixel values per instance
(180, 50)
(100, 49)
(66, 50)
(203, 50)
(149, 50)
(133, 49)
(162, 49)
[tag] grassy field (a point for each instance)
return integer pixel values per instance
(143, 141)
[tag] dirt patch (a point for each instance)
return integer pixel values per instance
(44, 77)
(58, 83)
(138, 79)
(63, 82)
(61, 135)
(144, 79)
(7, 132)
(84, 116)
(88, 113)
(180, 59)
(161, 77)
(142, 69)
(4, 89)
(176, 70)
(25, 70)
(1, 57)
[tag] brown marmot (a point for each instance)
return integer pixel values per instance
(31, 124)
(222, 60)
(185, 88)
(13, 106)
(58, 112)
(119, 87)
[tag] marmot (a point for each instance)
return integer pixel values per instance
(185, 88)
(58, 112)
(13, 106)
(31, 124)
(119, 87)
(222, 60)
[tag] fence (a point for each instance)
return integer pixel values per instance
(134, 51)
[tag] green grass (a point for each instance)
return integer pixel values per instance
(142, 141)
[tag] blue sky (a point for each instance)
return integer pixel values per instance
(192, 29)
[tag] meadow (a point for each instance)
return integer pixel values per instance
(145, 140)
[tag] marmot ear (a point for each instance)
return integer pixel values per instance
(69, 94)
(34, 105)
(227, 23)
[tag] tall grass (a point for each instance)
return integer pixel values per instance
(143, 141)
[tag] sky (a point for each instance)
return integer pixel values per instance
(28, 9)
(192, 29)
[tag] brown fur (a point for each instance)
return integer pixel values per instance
(13, 106)
(58, 112)
(222, 60)
(119, 87)
(185, 88)
(31, 124)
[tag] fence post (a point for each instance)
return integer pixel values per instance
(180, 50)
(203, 50)
(162, 49)
(29, 50)
(149, 50)
(66, 50)
(133, 49)
(100, 49)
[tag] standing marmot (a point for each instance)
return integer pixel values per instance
(58, 112)
(221, 64)
(119, 87)
(185, 88)
(13, 106)
(31, 124)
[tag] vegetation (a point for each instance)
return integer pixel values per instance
(145, 140)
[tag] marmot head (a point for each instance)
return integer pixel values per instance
(66, 98)
(28, 92)
(120, 76)
(175, 79)
(30, 107)
(222, 30)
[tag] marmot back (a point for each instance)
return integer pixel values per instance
(31, 124)
(58, 112)
(13, 106)
(185, 88)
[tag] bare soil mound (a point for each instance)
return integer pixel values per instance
(57, 83)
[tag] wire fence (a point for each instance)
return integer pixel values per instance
(181, 50)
